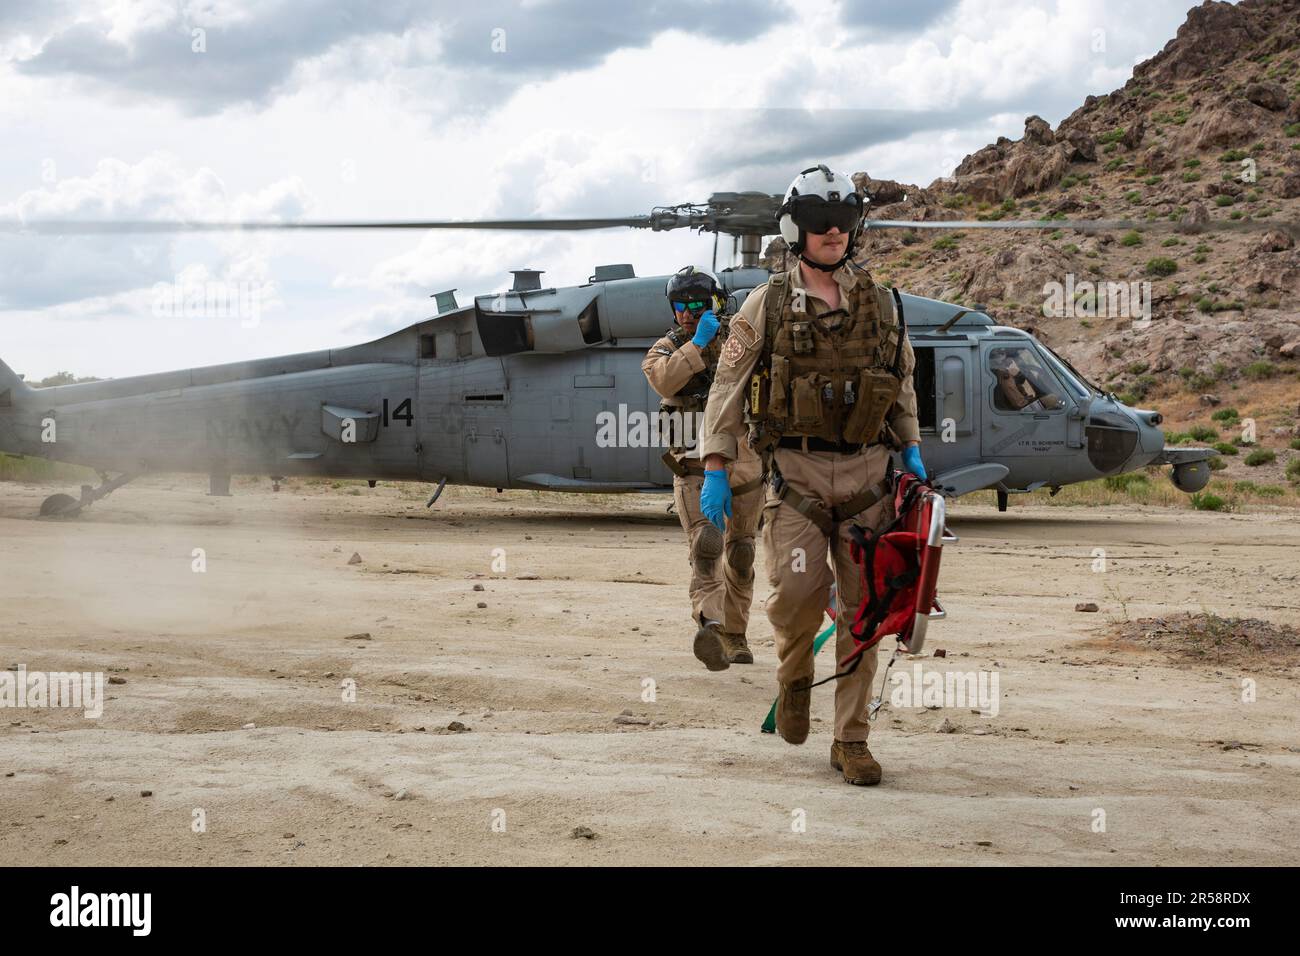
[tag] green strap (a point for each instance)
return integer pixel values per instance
(769, 725)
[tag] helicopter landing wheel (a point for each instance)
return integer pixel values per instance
(1002, 500)
(58, 505)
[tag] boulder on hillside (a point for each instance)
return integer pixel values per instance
(1271, 96)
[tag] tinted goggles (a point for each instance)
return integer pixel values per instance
(816, 215)
(694, 305)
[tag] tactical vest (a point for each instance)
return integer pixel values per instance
(833, 376)
(691, 398)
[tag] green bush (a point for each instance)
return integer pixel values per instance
(1131, 239)
(1225, 415)
(1126, 482)
(1175, 438)
(1261, 456)
(1114, 136)
(1257, 371)
(1191, 176)
(1191, 163)
(1245, 487)
(1203, 501)
(1293, 469)
(1203, 433)
(1217, 464)
(1225, 448)
(947, 242)
(1223, 200)
(1270, 491)
(1295, 444)
(1233, 156)
(1161, 266)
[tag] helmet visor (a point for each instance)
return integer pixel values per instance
(815, 215)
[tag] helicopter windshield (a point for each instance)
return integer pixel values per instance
(1072, 376)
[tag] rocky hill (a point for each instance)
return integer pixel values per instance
(1207, 130)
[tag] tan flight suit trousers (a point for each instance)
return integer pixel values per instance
(796, 553)
(722, 593)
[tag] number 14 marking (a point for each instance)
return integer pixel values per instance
(402, 413)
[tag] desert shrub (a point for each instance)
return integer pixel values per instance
(1261, 456)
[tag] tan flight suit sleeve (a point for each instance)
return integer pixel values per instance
(724, 419)
(902, 416)
(668, 369)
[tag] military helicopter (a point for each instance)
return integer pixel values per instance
(541, 387)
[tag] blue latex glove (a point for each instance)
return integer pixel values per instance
(912, 462)
(715, 497)
(706, 329)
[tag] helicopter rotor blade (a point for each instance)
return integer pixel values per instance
(151, 226)
(1095, 225)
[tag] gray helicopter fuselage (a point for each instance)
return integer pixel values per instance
(542, 388)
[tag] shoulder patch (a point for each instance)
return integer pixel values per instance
(662, 351)
(744, 332)
(732, 350)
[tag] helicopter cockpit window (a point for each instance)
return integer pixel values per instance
(1023, 383)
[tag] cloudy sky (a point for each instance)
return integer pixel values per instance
(228, 109)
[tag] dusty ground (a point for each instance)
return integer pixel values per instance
(539, 675)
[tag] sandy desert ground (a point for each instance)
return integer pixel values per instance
(590, 605)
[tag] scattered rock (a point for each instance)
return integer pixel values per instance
(628, 719)
(481, 604)
(117, 680)
(527, 576)
(146, 793)
(940, 652)
(355, 559)
(583, 833)
(478, 587)
(401, 795)
(362, 636)
(456, 727)
(947, 727)
(1086, 606)
(249, 727)
(1211, 400)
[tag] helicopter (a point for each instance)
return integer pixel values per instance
(541, 387)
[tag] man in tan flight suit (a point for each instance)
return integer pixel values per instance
(680, 367)
(833, 391)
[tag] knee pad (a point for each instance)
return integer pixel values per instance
(740, 555)
(706, 548)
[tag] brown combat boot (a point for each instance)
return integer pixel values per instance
(738, 651)
(711, 646)
(854, 760)
(792, 708)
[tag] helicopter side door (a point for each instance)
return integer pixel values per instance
(948, 418)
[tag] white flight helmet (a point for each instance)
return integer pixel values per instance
(817, 199)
